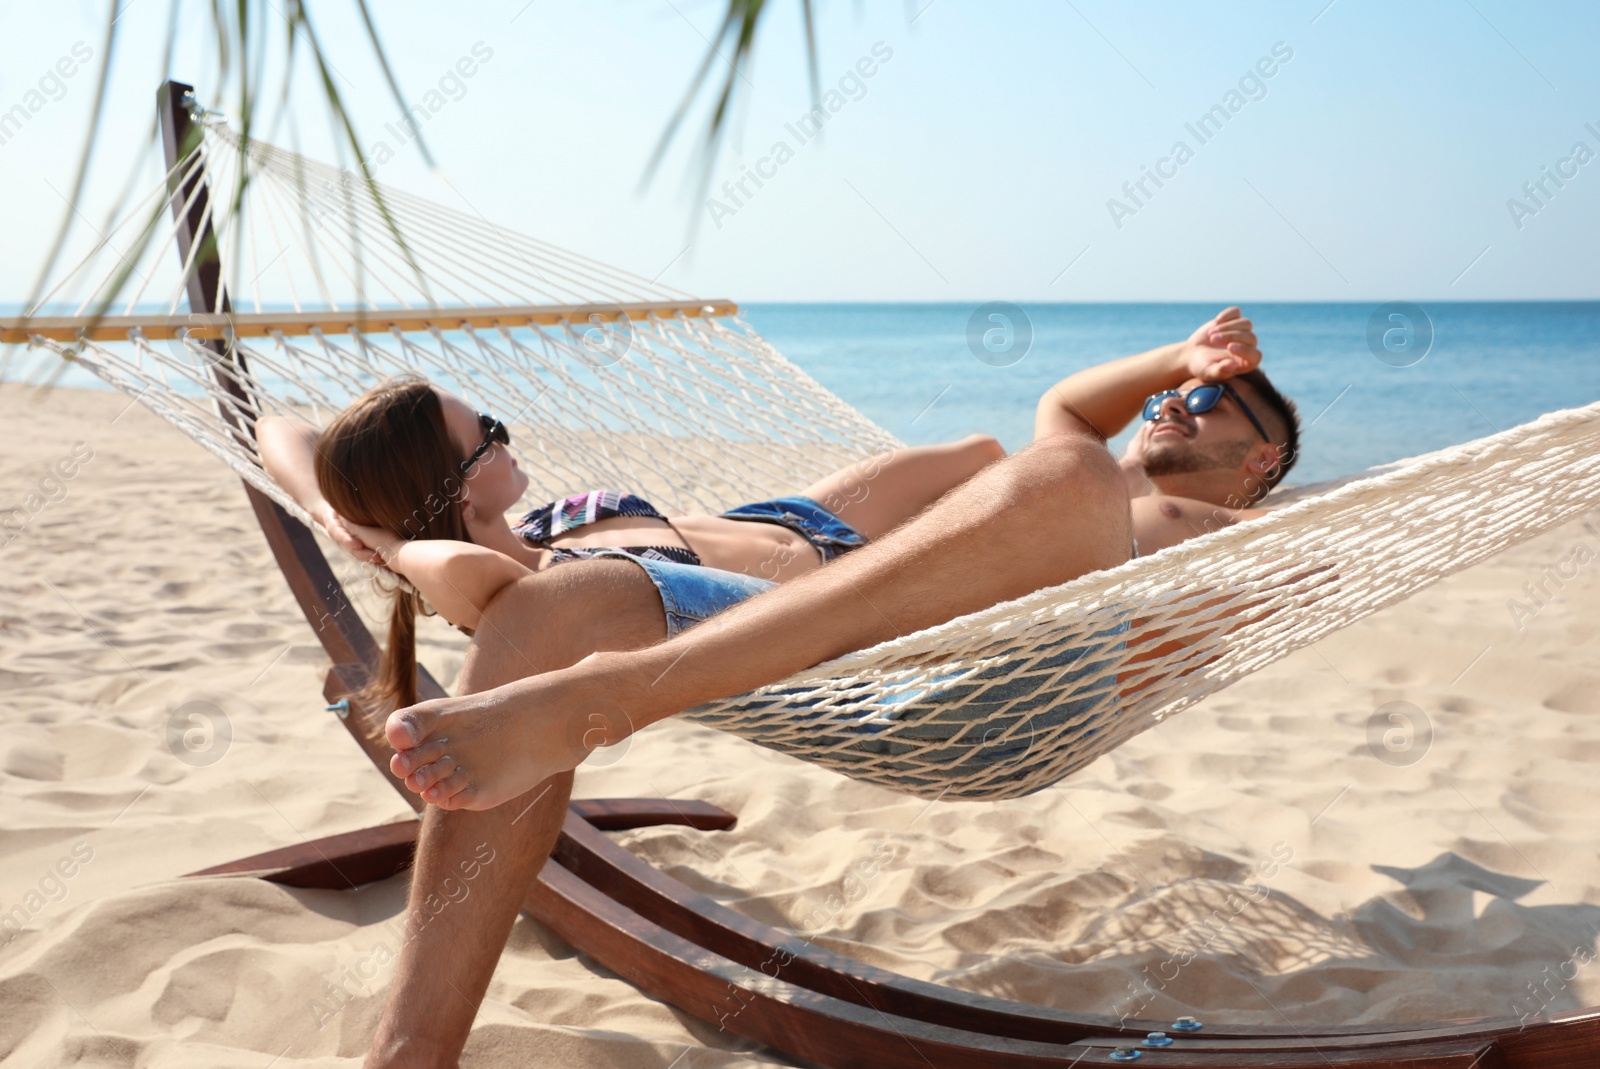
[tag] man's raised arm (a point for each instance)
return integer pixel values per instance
(1103, 399)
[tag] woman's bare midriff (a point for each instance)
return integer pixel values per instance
(764, 550)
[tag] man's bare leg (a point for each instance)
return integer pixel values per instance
(1048, 514)
(882, 492)
(542, 623)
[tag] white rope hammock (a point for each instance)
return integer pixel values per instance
(697, 411)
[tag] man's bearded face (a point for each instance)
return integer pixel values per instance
(1174, 446)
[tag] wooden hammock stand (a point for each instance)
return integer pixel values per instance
(688, 950)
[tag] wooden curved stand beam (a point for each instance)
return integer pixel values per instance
(348, 860)
(578, 897)
(758, 982)
(836, 1012)
(845, 1035)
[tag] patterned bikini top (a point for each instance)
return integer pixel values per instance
(557, 518)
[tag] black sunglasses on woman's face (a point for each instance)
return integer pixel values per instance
(494, 432)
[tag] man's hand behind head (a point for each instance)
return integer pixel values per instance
(1222, 347)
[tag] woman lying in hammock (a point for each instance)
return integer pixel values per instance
(412, 477)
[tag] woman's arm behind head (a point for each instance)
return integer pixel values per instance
(288, 452)
(459, 579)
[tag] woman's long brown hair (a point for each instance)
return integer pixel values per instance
(387, 461)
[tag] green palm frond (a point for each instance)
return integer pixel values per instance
(244, 34)
(732, 46)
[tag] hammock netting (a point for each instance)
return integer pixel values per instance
(608, 379)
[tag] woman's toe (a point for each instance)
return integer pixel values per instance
(465, 798)
(431, 773)
(407, 728)
(442, 792)
(405, 762)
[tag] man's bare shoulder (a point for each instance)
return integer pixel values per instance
(1162, 520)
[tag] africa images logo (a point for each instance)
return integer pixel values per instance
(51, 86)
(851, 86)
(1252, 86)
(1539, 192)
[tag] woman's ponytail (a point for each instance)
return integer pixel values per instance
(396, 685)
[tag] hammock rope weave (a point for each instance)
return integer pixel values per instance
(698, 411)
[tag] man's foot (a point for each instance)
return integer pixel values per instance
(481, 750)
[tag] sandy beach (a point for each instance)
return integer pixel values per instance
(1449, 873)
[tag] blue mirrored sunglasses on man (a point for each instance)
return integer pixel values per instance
(1203, 398)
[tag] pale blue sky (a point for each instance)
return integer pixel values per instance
(978, 161)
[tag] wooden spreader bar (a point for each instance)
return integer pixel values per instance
(206, 326)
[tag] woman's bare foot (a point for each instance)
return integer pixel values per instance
(481, 750)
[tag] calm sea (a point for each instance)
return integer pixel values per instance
(1489, 366)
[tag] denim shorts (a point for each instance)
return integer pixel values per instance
(959, 735)
(690, 593)
(999, 716)
(994, 720)
(827, 532)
